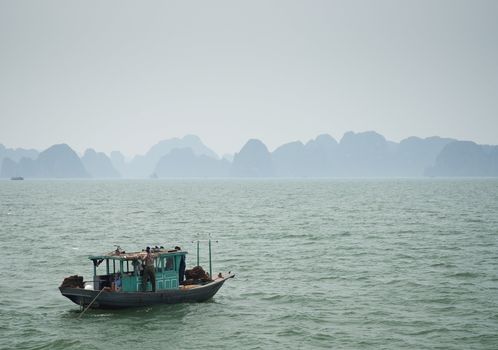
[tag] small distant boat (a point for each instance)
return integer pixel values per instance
(120, 285)
(17, 178)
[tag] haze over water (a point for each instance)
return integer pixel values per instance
(345, 264)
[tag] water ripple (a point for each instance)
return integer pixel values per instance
(347, 264)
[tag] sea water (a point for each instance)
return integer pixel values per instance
(344, 264)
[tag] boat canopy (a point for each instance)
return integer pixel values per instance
(122, 255)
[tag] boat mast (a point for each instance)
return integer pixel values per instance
(210, 259)
(197, 252)
(210, 267)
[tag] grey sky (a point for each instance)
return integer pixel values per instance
(126, 74)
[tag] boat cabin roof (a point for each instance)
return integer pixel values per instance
(119, 254)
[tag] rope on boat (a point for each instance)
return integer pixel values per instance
(91, 303)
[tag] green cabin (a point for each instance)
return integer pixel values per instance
(123, 271)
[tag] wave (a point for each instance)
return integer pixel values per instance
(466, 275)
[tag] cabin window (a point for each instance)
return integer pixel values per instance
(117, 266)
(170, 263)
(159, 264)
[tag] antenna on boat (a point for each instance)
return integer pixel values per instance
(197, 241)
(210, 266)
(198, 252)
(210, 260)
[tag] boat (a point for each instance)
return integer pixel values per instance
(17, 178)
(120, 285)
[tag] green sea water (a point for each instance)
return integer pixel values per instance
(343, 264)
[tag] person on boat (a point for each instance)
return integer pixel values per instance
(149, 272)
(181, 271)
(117, 282)
(137, 267)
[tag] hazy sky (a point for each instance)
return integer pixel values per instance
(122, 75)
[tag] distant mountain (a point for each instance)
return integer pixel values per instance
(58, 161)
(465, 158)
(322, 156)
(8, 168)
(290, 160)
(144, 165)
(28, 167)
(228, 157)
(414, 155)
(98, 165)
(184, 162)
(253, 160)
(363, 154)
(189, 141)
(15, 154)
(118, 162)
(317, 158)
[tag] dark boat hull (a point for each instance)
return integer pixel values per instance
(117, 300)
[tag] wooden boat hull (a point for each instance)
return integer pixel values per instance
(118, 300)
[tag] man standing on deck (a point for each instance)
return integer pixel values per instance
(149, 272)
